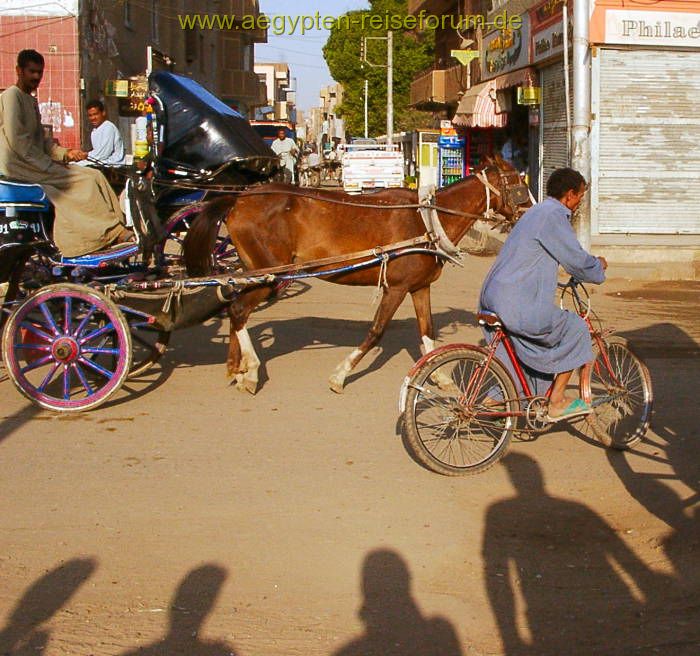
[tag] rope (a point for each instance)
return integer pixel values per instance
(382, 282)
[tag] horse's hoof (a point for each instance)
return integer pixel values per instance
(445, 383)
(336, 385)
(250, 386)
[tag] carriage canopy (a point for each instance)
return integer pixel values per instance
(201, 132)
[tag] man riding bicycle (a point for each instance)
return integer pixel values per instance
(521, 285)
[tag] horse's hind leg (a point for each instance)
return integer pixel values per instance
(243, 363)
(391, 299)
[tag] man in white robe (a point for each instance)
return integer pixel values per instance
(88, 216)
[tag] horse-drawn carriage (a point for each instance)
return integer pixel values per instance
(76, 328)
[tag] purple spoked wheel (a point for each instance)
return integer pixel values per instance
(67, 348)
(224, 255)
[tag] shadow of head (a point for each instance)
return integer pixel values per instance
(195, 598)
(46, 596)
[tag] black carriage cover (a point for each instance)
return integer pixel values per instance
(202, 133)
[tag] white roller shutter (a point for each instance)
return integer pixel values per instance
(646, 142)
(554, 153)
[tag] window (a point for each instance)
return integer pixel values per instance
(154, 21)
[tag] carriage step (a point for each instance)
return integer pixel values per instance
(102, 258)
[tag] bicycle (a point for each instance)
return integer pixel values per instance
(460, 407)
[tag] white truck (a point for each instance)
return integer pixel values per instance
(368, 165)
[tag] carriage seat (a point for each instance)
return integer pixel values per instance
(22, 195)
(490, 319)
(103, 258)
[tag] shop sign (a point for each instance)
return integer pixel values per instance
(505, 50)
(135, 103)
(652, 28)
(547, 10)
(550, 41)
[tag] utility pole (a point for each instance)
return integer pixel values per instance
(389, 88)
(389, 38)
(366, 92)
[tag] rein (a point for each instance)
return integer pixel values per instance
(489, 215)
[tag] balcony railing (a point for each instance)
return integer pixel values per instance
(438, 86)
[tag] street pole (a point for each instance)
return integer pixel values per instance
(389, 87)
(366, 93)
(581, 148)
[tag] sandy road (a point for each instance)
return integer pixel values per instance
(188, 518)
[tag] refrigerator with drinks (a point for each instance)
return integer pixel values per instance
(452, 162)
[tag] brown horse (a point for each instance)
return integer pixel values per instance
(276, 225)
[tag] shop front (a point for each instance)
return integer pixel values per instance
(492, 114)
(645, 132)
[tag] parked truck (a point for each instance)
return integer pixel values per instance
(369, 165)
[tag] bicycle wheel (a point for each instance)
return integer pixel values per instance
(621, 395)
(454, 423)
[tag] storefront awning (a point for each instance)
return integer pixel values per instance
(523, 77)
(478, 108)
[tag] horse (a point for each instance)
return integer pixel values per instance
(274, 225)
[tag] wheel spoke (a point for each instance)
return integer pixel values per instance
(96, 367)
(67, 315)
(49, 319)
(83, 324)
(49, 377)
(82, 378)
(37, 364)
(104, 351)
(66, 382)
(35, 330)
(97, 333)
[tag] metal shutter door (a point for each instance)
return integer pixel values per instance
(554, 135)
(647, 133)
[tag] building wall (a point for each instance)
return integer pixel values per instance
(54, 34)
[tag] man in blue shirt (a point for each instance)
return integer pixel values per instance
(107, 144)
(521, 286)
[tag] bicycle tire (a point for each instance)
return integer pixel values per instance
(623, 420)
(423, 393)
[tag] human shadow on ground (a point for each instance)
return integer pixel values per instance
(193, 601)
(394, 625)
(23, 634)
(663, 472)
(560, 580)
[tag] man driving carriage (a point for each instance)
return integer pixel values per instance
(88, 216)
(521, 285)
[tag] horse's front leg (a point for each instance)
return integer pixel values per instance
(424, 316)
(391, 299)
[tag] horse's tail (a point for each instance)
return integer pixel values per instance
(201, 237)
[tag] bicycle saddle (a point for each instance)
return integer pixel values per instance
(488, 318)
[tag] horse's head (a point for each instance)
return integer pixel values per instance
(509, 194)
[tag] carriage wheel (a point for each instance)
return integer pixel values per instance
(224, 256)
(67, 348)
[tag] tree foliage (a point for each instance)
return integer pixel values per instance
(412, 53)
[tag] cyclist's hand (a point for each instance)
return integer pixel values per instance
(603, 262)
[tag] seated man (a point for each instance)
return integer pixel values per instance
(521, 286)
(107, 144)
(88, 217)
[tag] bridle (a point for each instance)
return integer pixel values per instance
(514, 195)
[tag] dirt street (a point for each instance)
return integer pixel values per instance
(188, 518)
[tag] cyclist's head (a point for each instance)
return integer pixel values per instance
(567, 186)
